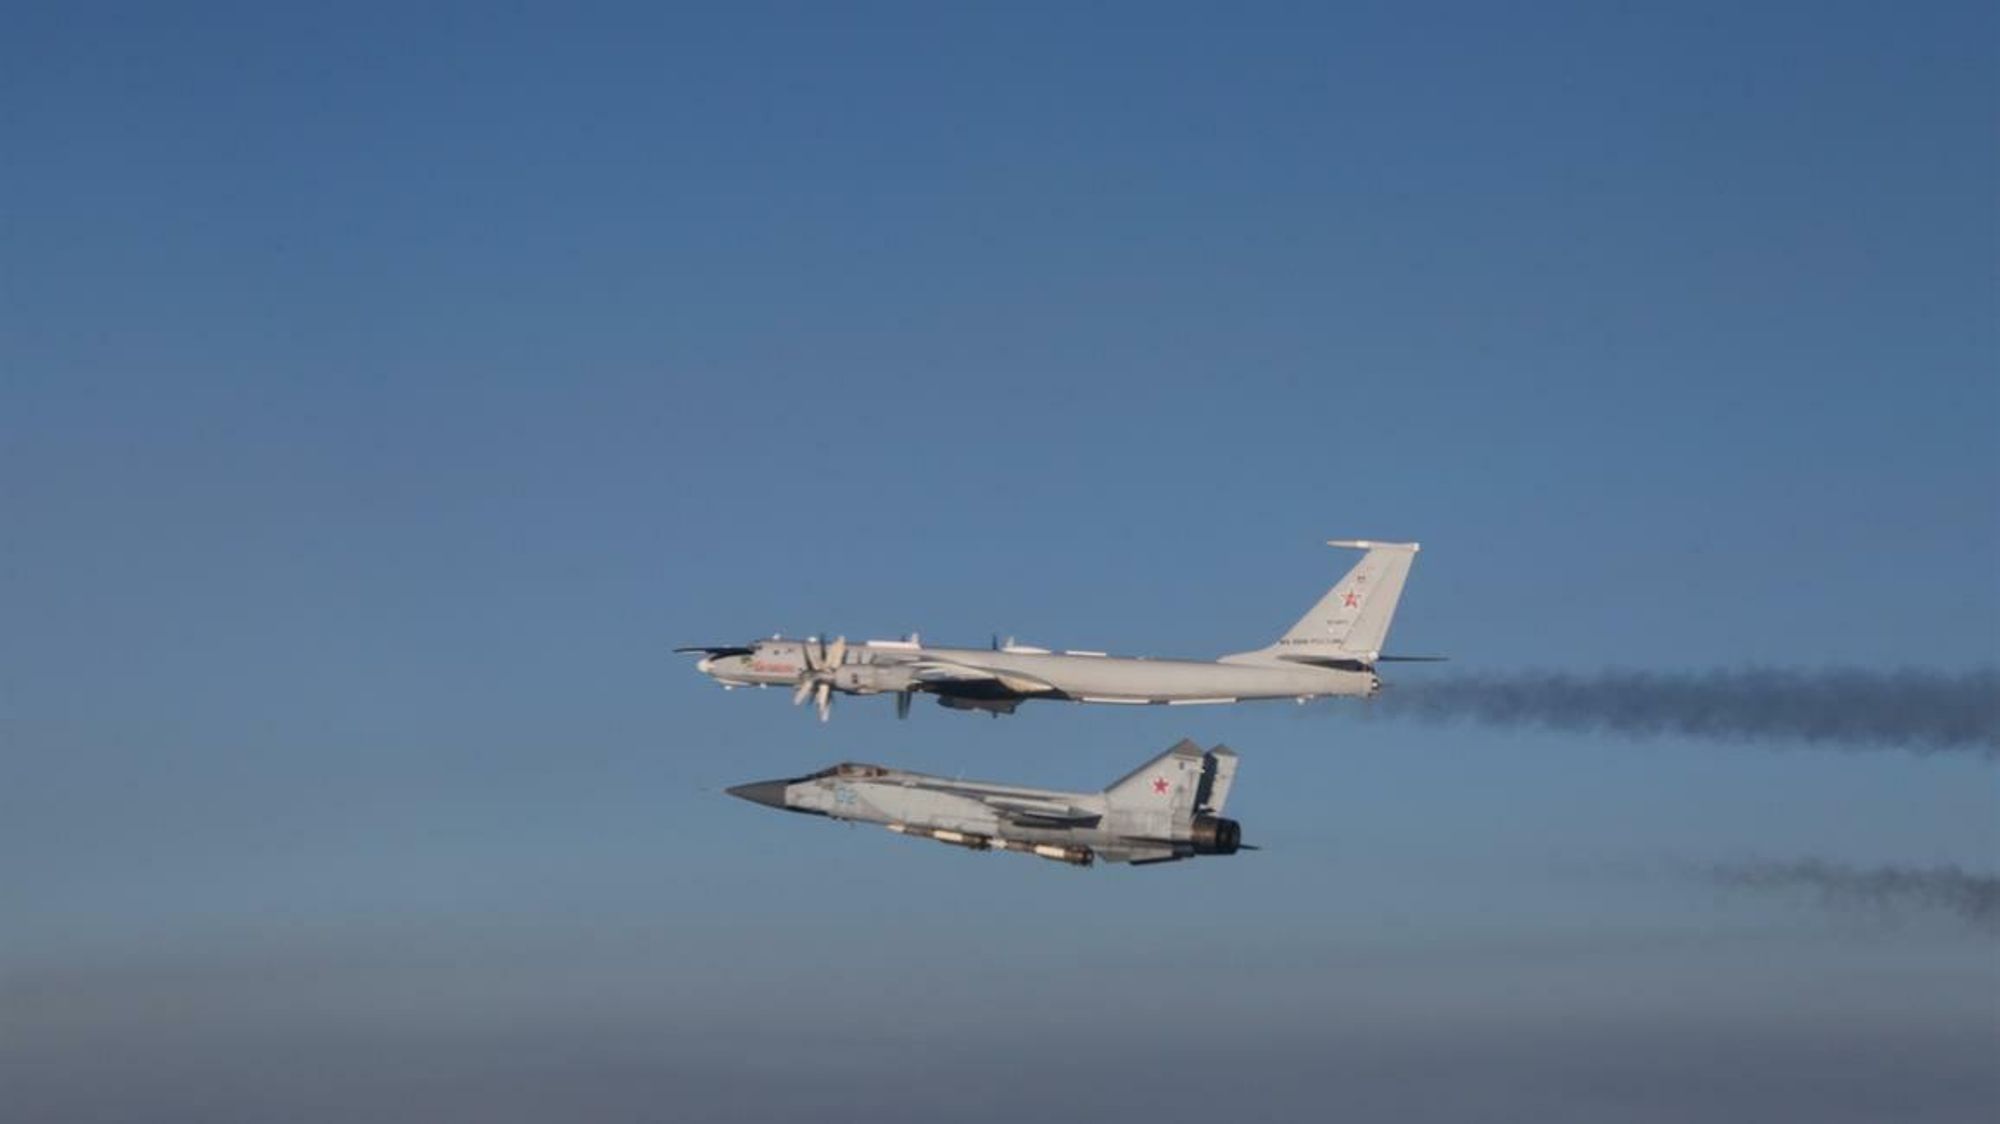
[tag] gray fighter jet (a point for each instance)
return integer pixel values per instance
(1332, 650)
(1167, 809)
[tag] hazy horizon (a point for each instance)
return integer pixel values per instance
(385, 392)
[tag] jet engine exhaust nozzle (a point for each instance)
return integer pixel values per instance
(1214, 835)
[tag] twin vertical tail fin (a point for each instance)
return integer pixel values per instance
(1154, 797)
(1162, 798)
(1218, 772)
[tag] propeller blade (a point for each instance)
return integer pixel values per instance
(838, 654)
(804, 692)
(825, 701)
(902, 704)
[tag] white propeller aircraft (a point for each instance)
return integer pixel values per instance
(1332, 650)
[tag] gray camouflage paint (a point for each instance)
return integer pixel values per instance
(1167, 809)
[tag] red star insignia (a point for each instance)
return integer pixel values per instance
(1351, 600)
(1159, 786)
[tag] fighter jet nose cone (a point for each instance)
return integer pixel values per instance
(770, 794)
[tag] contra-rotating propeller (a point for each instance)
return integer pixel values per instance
(816, 681)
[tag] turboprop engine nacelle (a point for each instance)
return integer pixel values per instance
(868, 679)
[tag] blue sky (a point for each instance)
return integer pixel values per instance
(384, 392)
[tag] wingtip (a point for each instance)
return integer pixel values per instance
(1375, 544)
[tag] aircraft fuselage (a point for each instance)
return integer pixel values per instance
(872, 668)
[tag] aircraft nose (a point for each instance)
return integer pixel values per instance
(770, 794)
(705, 664)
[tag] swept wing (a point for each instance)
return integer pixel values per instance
(950, 676)
(1021, 809)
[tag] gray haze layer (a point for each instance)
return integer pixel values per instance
(602, 1020)
(1915, 710)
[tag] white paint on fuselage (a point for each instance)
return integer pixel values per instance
(1127, 678)
(1093, 678)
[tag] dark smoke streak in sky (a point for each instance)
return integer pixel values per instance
(1920, 711)
(1974, 898)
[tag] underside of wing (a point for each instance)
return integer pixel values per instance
(1028, 813)
(940, 677)
(1137, 852)
(1019, 809)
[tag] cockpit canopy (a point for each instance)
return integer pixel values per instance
(851, 769)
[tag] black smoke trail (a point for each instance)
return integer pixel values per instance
(1888, 890)
(1916, 710)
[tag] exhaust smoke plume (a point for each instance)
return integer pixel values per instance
(1973, 898)
(1921, 711)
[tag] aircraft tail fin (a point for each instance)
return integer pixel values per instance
(1163, 792)
(1218, 772)
(1352, 620)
